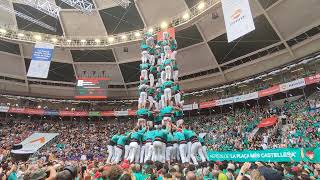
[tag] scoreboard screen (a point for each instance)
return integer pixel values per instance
(91, 88)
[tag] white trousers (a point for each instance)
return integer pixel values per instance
(196, 148)
(177, 99)
(144, 74)
(148, 151)
(111, 153)
(126, 151)
(168, 72)
(144, 57)
(205, 152)
(175, 75)
(189, 144)
(151, 59)
(161, 102)
(151, 79)
(163, 77)
(167, 95)
(183, 152)
(134, 146)
(176, 154)
(118, 154)
(143, 98)
(169, 153)
(142, 153)
(151, 101)
(158, 151)
(167, 52)
(173, 55)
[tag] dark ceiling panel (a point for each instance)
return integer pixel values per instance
(130, 71)
(93, 55)
(188, 37)
(267, 3)
(9, 47)
(57, 71)
(261, 37)
(118, 20)
(192, 3)
(40, 16)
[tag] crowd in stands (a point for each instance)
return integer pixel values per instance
(84, 144)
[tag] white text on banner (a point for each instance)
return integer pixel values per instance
(237, 18)
(41, 59)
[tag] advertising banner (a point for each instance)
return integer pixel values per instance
(246, 97)
(94, 113)
(267, 92)
(292, 85)
(171, 31)
(270, 155)
(131, 112)
(41, 59)
(73, 113)
(187, 107)
(237, 18)
(34, 111)
(107, 113)
(4, 108)
(312, 79)
(121, 113)
(51, 112)
(16, 110)
(225, 101)
(207, 104)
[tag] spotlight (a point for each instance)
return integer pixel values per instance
(3, 31)
(150, 30)
(164, 25)
(137, 34)
(97, 40)
(201, 6)
(83, 40)
(54, 40)
(20, 35)
(124, 37)
(69, 41)
(37, 37)
(186, 16)
(110, 39)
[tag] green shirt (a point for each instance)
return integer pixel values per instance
(149, 135)
(115, 138)
(167, 84)
(179, 136)
(144, 66)
(166, 110)
(122, 140)
(142, 112)
(12, 176)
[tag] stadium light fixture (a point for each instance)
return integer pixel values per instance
(20, 35)
(150, 30)
(69, 41)
(201, 5)
(83, 40)
(97, 40)
(124, 37)
(186, 16)
(54, 40)
(110, 39)
(37, 37)
(164, 25)
(137, 34)
(3, 31)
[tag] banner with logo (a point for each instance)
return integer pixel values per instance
(94, 113)
(16, 110)
(41, 59)
(292, 85)
(207, 104)
(187, 107)
(121, 113)
(246, 97)
(312, 79)
(237, 18)
(51, 113)
(270, 155)
(195, 106)
(311, 155)
(225, 101)
(34, 111)
(267, 92)
(107, 113)
(4, 108)
(171, 31)
(131, 112)
(73, 113)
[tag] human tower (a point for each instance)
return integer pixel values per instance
(160, 134)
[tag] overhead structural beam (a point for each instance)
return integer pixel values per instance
(83, 5)
(26, 17)
(44, 6)
(122, 3)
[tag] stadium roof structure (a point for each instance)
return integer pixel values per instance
(286, 30)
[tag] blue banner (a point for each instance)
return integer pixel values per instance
(51, 113)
